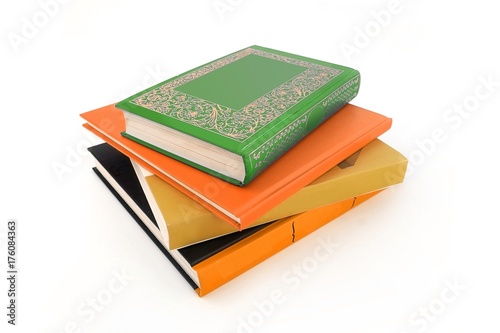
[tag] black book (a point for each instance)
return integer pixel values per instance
(117, 173)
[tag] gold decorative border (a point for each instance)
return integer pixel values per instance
(241, 124)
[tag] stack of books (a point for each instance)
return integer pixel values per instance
(230, 162)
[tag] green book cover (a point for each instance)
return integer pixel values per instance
(254, 104)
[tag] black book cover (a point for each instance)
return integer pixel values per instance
(120, 168)
(146, 230)
(122, 171)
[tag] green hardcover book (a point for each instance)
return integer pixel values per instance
(236, 115)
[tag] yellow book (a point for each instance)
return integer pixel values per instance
(183, 221)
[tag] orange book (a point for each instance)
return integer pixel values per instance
(337, 138)
(239, 258)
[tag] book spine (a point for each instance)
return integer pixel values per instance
(278, 144)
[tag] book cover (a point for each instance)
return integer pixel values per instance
(338, 137)
(208, 265)
(120, 169)
(249, 252)
(184, 221)
(125, 186)
(236, 115)
(154, 234)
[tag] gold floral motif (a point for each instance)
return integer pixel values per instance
(278, 144)
(241, 124)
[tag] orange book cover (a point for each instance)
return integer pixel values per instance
(239, 258)
(337, 138)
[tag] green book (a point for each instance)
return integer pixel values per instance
(236, 115)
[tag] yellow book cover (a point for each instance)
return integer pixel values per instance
(183, 221)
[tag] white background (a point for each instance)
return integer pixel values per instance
(395, 255)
